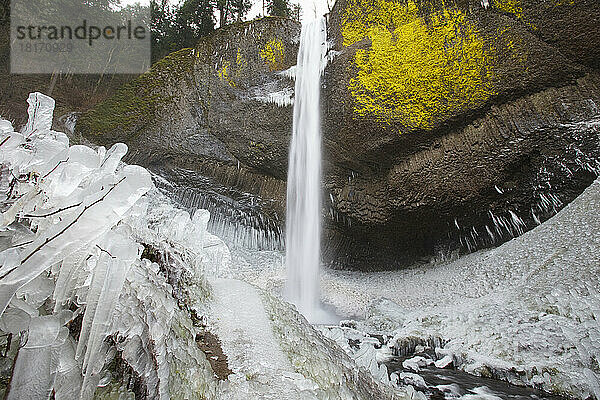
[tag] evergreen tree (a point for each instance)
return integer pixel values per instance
(195, 18)
(161, 27)
(240, 8)
(174, 28)
(279, 8)
(232, 10)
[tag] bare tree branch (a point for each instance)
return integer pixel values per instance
(105, 251)
(57, 165)
(48, 240)
(53, 212)
(20, 244)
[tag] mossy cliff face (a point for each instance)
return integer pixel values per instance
(212, 109)
(446, 119)
(447, 124)
(420, 71)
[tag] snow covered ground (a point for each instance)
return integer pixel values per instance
(86, 238)
(527, 312)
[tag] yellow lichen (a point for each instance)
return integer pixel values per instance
(273, 54)
(240, 62)
(224, 74)
(510, 6)
(229, 73)
(415, 72)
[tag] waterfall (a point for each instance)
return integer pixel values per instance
(303, 215)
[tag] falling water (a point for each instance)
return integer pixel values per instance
(303, 221)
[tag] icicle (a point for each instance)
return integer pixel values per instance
(116, 255)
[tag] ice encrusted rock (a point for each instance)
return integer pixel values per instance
(416, 363)
(318, 358)
(531, 313)
(444, 362)
(369, 354)
(413, 379)
(105, 285)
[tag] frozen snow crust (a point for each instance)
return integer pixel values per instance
(105, 285)
(527, 312)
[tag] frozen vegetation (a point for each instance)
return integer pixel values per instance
(106, 288)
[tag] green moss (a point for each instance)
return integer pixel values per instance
(136, 103)
(416, 72)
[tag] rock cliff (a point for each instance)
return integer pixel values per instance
(455, 124)
(223, 109)
(448, 125)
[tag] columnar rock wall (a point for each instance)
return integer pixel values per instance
(448, 125)
(455, 124)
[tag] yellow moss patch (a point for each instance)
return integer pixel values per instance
(229, 73)
(510, 6)
(273, 53)
(416, 72)
(224, 74)
(240, 62)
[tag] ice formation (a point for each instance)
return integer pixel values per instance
(525, 312)
(74, 220)
(105, 286)
(237, 217)
(281, 98)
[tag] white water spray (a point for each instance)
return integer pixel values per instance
(303, 215)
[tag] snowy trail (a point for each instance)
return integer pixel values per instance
(261, 369)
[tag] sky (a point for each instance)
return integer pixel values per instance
(308, 7)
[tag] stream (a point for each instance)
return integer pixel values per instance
(450, 383)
